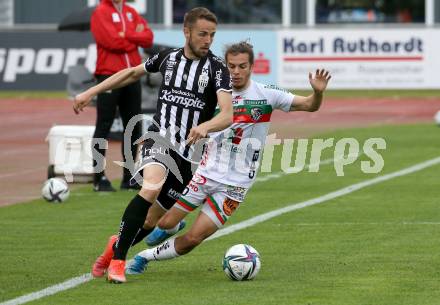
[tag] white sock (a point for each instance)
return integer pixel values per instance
(173, 230)
(162, 252)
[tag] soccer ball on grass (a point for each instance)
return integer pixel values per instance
(55, 190)
(241, 262)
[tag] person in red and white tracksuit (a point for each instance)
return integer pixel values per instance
(118, 31)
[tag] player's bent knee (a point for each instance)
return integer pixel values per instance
(154, 177)
(166, 223)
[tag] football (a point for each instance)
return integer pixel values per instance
(437, 118)
(241, 262)
(55, 190)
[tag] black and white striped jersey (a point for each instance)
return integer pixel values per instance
(188, 93)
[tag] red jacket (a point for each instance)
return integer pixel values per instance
(115, 52)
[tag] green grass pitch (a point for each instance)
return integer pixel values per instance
(379, 245)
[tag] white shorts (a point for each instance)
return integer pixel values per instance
(219, 200)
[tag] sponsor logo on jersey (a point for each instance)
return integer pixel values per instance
(172, 193)
(218, 78)
(252, 114)
(255, 102)
(154, 151)
(151, 60)
(275, 88)
(183, 98)
(229, 206)
(236, 99)
(193, 187)
(236, 192)
(198, 179)
(170, 64)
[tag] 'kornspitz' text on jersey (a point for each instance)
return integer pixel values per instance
(188, 93)
(233, 155)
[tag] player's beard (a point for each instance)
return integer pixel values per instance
(193, 49)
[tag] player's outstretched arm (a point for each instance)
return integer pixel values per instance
(221, 121)
(117, 80)
(312, 102)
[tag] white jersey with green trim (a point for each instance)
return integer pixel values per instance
(232, 156)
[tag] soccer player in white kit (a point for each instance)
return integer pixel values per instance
(231, 159)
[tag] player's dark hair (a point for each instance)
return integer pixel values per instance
(197, 13)
(240, 48)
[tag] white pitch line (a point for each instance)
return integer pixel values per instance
(71, 283)
(403, 223)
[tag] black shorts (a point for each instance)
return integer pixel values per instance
(174, 164)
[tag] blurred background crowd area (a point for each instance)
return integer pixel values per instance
(22, 12)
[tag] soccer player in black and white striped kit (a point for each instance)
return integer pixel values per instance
(194, 82)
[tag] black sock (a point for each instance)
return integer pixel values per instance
(126, 175)
(131, 223)
(141, 235)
